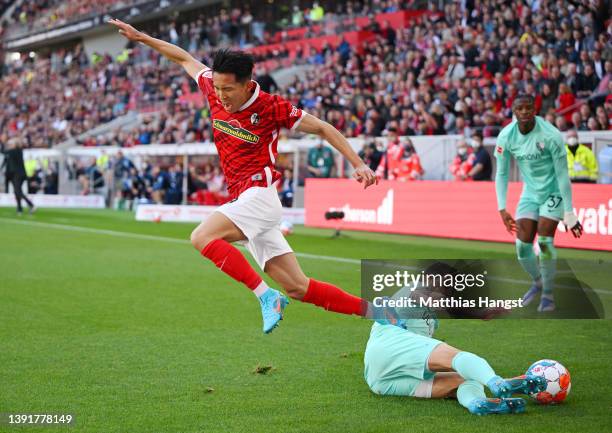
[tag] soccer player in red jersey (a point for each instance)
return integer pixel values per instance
(246, 123)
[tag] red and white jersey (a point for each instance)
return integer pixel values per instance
(247, 140)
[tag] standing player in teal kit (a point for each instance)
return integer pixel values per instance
(546, 199)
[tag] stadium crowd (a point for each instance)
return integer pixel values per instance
(46, 14)
(454, 72)
(239, 22)
(461, 72)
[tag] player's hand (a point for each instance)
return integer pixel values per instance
(127, 30)
(570, 220)
(364, 174)
(508, 221)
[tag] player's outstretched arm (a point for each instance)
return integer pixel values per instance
(168, 50)
(313, 125)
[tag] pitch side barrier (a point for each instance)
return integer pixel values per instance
(435, 151)
(464, 210)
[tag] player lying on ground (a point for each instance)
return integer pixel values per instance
(246, 123)
(410, 362)
(546, 199)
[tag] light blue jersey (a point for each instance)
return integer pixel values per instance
(542, 160)
(395, 359)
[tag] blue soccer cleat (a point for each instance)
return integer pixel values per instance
(546, 305)
(273, 305)
(525, 384)
(488, 406)
(531, 294)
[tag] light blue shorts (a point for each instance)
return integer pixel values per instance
(532, 209)
(396, 362)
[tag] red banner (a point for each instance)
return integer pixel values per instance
(465, 210)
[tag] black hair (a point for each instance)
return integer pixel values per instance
(526, 96)
(238, 63)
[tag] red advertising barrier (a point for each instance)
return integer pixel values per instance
(465, 210)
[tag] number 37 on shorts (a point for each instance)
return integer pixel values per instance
(532, 208)
(553, 202)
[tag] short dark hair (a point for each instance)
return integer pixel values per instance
(238, 63)
(524, 96)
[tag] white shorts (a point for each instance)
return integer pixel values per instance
(257, 212)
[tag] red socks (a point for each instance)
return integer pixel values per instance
(333, 298)
(231, 261)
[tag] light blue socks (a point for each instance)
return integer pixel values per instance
(469, 392)
(528, 260)
(548, 264)
(473, 367)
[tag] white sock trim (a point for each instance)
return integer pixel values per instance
(261, 289)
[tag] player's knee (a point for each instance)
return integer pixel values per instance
(199, 239)
(524, 250)
(547, 247)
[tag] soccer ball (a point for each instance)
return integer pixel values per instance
(286, 228)
(558, 382)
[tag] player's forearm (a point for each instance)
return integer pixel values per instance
(501, 178)
(337, 140)
(501, 189)
(501, 181)
(170, 51)
(565, 186)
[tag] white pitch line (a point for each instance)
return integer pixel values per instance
(179, 241)
(155, 238)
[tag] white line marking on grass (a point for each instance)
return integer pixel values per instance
(180, 241)
(155, 238)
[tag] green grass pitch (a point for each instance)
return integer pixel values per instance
(124, 325)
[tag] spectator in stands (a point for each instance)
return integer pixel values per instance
(586, 82)
(371, 155)
(216, 193)
(602, 118)
(463, 162)
(482, 168)
(547, 100)
(320, 161)
(391, 160)
(51, 180)
(122, 167)
(565, 101)
(410, 164)
(174, 192)
(593, 124)
(265, 80)
(159, 184)
(581, 162)
(285, 193)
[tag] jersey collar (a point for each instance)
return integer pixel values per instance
(252, 99)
